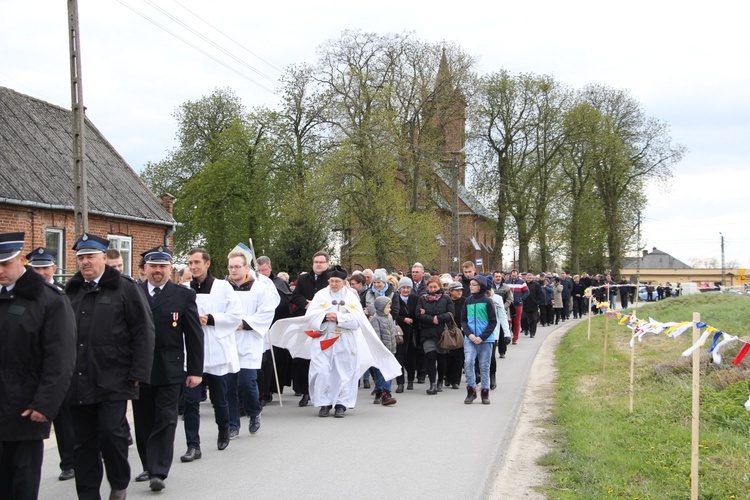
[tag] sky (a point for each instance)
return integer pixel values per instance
(686, 64)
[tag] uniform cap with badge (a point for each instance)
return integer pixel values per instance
(11, 245)
(41, 257)
(88, 244)
(157, 255)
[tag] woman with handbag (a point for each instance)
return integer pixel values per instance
(478, 322)
(434, 310)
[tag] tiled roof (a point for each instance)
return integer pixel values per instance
(36, 163)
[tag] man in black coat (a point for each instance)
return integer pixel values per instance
(178, 331)
(308, 285)
(531, 304)
(115, 351)
(266, 377)
(42, 260)
(37, 327)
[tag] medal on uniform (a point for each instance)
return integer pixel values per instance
(175, 317)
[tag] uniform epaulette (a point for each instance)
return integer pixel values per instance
(55, 287)
(129, 278)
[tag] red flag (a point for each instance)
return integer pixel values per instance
(741, 354)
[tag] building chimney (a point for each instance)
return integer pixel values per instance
(645, 252)
(167, 201)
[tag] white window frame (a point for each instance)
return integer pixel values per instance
(58, 234)
(125, 245)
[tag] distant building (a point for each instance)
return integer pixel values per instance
(660, 267)
(36, 185)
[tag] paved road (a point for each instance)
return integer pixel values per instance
(431, 447)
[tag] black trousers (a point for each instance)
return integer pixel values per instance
(20, 469)
(101, 433)
(155, 418)
(455, 366)
(300, 375)
(530, 318)
(65, 437)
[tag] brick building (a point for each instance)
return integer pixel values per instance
(36, 185)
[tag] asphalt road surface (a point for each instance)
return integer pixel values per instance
(423, 447)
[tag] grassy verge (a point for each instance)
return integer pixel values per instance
(607, 452)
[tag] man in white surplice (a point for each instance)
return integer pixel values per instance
(220, 313)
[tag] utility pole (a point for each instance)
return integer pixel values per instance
(80, 196)
(722, 258)
(455, 240)
(640, 255)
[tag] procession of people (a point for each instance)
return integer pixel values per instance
(174, 339)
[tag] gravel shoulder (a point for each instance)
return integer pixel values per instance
(520, 476)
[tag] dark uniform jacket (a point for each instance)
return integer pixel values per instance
(37, 354)
(284, 309)
(307, 287)
(115, 342)
(178, 328)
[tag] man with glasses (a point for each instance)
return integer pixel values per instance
(308, 284)
(259, 299)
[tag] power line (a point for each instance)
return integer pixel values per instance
(210, 42)
(195, 46)
(228, 37)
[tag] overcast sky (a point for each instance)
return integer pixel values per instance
(687, 65)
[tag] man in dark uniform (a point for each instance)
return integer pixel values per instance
(115, 351)
(42, 260)
(37, 331)
(308, 285)
(178, 331)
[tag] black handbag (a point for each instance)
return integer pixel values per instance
(452, 337)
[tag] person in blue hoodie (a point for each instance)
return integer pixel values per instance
(478, 323)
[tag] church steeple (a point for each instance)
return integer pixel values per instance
(449, 116)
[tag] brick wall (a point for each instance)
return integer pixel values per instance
(35, 222)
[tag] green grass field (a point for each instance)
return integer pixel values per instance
(604, 451)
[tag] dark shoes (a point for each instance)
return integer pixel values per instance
(455, 386)
(142, 477)
(223, 441)
(324, 411)
(378, 395)
(410, 385)
(366, 383)
(501, 355)
(387, 399)
(254, 424)
(191, 454)
(471, 395)
(493, 383)
(420, 380)
(433, 389)
(66, 475)
(305, 399)
(485, 396)
(234, 433)
(156, 484)
(440, 387)
(118, 494)
(399, 388)
(339, 413)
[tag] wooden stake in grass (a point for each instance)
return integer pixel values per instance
(632, 365)
(696, 409)
(589, 304)
(606, 336)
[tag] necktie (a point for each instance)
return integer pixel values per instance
(3, 291)
(156, 292)
(88, 285)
